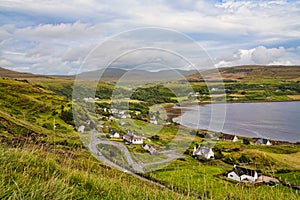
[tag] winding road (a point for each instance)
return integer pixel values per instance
(136, 166)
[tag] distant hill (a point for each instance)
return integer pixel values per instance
(236, 74)
(109, 74)
(6, 73)
(114, 74)
(249, 73)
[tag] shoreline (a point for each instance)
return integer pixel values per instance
(224, 102)
(178, 111)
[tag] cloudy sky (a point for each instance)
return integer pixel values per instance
(55, 37)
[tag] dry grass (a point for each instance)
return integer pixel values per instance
(294, 97)
(292, 160)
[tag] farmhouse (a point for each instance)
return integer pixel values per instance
(243, 174)
(81, 129)
(122, 123)
(262, 141)
(114, 134)
(203, 152)
(153, 121)
(149, 148)
(111, 118)
(133, 139)
(230, 138)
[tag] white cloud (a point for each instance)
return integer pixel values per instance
(262, 55)
(60, 31)
(73, 29)
(259, 56)
(5, 63)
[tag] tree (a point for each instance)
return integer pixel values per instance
(246, 141)
(155, 137)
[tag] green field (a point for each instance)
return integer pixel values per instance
(42, 156)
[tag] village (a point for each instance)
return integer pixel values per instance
(109, 119)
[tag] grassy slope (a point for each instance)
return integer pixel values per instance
(38, 163)
(50, 164)
(251, 73)
(253, 83)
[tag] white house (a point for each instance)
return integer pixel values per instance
(111, 118)
(123, 116)
(230, 138)
(122, 123)
(203, 152)
(241, 174)
(114, 134)
(133, 139)
(153, 121)
(81, 129)
(263, 141)
(149, 148)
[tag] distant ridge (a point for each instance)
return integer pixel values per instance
(6, 73)
(114, 74)
(236, 73)
(249, 73)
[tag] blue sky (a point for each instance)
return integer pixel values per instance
(54, 37)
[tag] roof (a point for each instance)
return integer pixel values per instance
(131, 136)
(203, 150)
(113, 132)
(227, 137)
(243, 171)
(262, 141)
(149, 148)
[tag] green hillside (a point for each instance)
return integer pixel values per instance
(249, 83)
(42, 157)
(40, 162)
(250, 74)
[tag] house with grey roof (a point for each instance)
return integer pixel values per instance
(203, 152)
(242, 174)
(149, 148)
(132, 138)
(263, 141)
(228, 137)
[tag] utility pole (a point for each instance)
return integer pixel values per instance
(54, 126)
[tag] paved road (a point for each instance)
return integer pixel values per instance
(93, 147)
(137, 167)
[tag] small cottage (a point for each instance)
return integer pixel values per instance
(111, 118)
(133, 139)
(153, 121)
(114, 134)
(81, 129)
(263, 141)
(230, 138)
(242, 174)
(122, 123)
(203, 152)
(149, 148)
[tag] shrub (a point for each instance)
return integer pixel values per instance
(244, 159)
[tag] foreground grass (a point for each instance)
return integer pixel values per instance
(39, 163)
(33, 173)
(195, 178)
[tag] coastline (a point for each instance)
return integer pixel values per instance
(178, 111)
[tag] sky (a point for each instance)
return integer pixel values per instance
(57, 37)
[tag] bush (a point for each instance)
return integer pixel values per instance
(67, 116)
(154, 137)
(218, 153)
(229, 160)
(283, 171)
(244, 159)
(246, 141)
